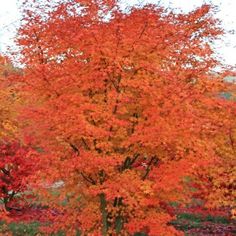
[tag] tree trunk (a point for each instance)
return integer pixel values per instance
(104, 214)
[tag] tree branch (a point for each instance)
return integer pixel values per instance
(149, 167)
(75, 149)
(88, 178)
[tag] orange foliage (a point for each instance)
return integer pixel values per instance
(217, 182)
(124, 106)
(9, 100)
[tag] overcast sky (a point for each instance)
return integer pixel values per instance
(9, 20)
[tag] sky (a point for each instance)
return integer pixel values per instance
(10, 19)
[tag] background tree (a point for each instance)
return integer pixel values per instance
(17, 165)
(9, 100)
(17, 162)
(124, 106)
(217, 181)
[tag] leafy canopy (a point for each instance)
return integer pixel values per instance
(124, 105)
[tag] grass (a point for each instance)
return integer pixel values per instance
(199, 218)
(203, 225)
(185, 222)
(19, 229)
(26, 229)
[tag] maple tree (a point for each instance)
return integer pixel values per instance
(17, 163)
(217, 181)
(124, 106)
(9, 100)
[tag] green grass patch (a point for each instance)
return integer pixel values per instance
(19, 229)
(200, 218)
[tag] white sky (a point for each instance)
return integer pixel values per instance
(9, 19)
